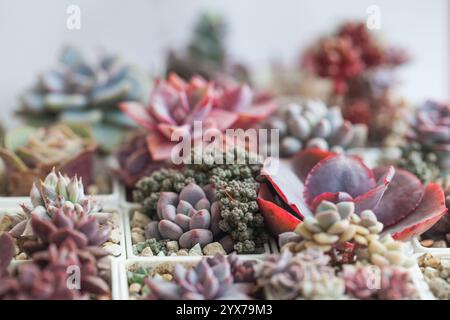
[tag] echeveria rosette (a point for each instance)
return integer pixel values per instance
(431, 129)
(190, 217)
(397, 197)
(77, 90)
(250, 105)
(31, 153)
(46, 277)
(173, 107)
(211, 279)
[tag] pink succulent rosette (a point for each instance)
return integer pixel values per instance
(251, 106)
(174, 106)
(397, 197)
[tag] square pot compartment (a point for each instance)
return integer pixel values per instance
(115, 278)
(154, 264)
(120, 249)
(129, 210)
(421, 277)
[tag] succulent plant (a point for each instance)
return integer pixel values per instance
(56, 194)
(361, 71)
(190, 217)
(387, 283)
(397, 198)
(30, 154)
(67, 223)
(46, 277)
(312, 124)
(305, 275)
(335, 226)
(430, 129)
(206, 53)
(77, 90)
(134, 160)
(236, 191)
(424, 166)
(210, 279)
(173, 107)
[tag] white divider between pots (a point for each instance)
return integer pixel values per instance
(418, 248)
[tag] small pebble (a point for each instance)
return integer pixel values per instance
(182, 252)
(440, 244)
(137, 237)
(22, 256)
(115, 236)
(427, 243)
(196, 250)
(172, 246)
(114, 249)
(139, 220)
(212, 248)
(147, 252)
(135, 288)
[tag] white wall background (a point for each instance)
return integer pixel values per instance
(31, 33)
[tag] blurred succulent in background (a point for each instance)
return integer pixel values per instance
(387, 283)
(176, 107)
(190, 217)
(30, 154)
(206, 52)
(361, 70)
(336, 229)
(430, 128)
(306, 275)
(397, 198)
(79, 91)
(46, 277)
(312, 124)
(236, 186)
(134, 160)
(211, 279)
(173, 108)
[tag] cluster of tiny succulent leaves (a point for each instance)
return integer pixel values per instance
(236, 190)
(420, 162)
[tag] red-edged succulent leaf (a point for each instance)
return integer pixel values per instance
(431, 208)
(338, 173)
(276, 219)
(6, 252)
(287, 185)
(303, 161)
(370, 199)
(400, 199)
(238, 98)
